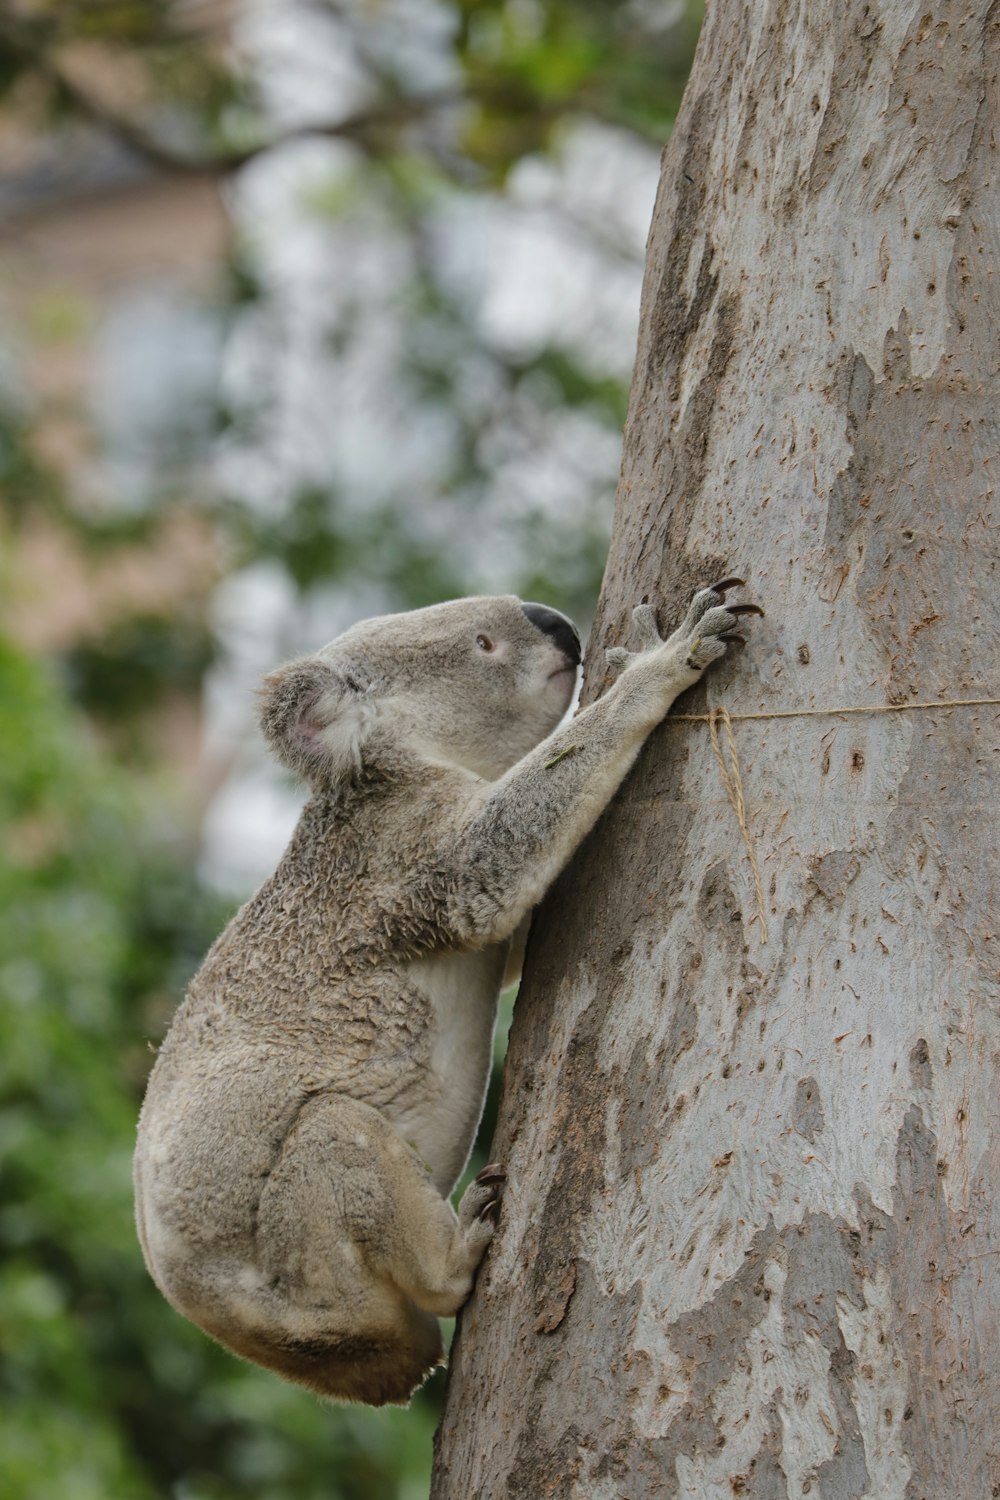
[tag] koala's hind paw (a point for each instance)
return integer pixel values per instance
(480, 1203)
(478, 1213)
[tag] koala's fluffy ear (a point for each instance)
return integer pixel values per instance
(315, 718)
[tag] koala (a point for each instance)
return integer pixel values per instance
(317, 1096)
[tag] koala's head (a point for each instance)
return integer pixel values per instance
(476, 682)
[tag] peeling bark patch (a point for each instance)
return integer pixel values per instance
(807, 1111)
(682, 1031)
(557, 1457)
(674, 318)
(920, 1065)
(645, 1092)
(946, 1321)
(845, 1474)
(903, 550)
(542, 1467)
(832, 873)
(850, 495)
(850, 75)
(552, 1315)
(721, 918)
(860, 390)
(777, 1321)
(697, 420)
(821, 1266)
(692, 1431)
(720, 911)
(578, 1121)
(713, 1335)
(897, 353)
(763, 1478)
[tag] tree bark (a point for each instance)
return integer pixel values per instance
(750, 1243)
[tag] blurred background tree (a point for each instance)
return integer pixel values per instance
(310, 309)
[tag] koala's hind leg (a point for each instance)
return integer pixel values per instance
(356, 1239)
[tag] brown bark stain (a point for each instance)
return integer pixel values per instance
(852, 69)
(557, 1303)
(832, 873)
(807, 1113)
(714, 1340)
(914, 440)
(947, 1309)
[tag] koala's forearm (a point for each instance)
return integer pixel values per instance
(540, 811)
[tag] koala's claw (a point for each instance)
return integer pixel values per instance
(480, 1203)
(492, 1173)
(727, 583)
(745, 609)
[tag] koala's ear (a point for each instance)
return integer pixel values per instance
(315, 717)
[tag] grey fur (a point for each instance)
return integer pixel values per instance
(317, 1096)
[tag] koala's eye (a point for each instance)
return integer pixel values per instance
(484, 643)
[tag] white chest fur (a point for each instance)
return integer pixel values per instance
(463, 989)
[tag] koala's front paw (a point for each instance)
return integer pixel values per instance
(707, 629)
(709, 624)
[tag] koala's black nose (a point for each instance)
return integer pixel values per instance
(562, 631)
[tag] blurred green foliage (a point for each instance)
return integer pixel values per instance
(129, 669)
(521, 66)
(105, 1393)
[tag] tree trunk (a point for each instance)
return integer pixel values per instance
(750, 1240)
